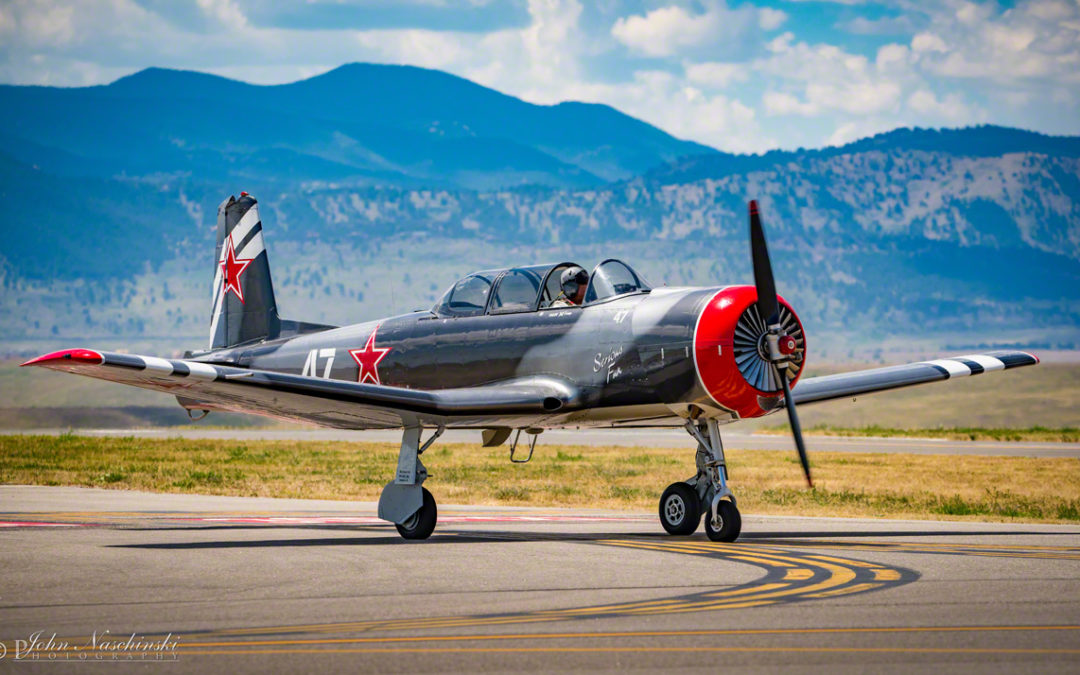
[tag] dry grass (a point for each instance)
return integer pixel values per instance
(1046, 395)
(1040, 434)
(848, 484)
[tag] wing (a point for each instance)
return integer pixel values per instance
(332, 403)
(843, 385)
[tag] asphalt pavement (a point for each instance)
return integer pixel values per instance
(238, 585)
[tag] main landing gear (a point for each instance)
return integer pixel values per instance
(403, 501)
(682, 504)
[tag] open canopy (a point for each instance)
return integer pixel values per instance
(528, 289)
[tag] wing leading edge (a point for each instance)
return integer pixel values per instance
(843, 385)
(351, 405)
(334, 403)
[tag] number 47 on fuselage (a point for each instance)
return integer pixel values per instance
(515, 350)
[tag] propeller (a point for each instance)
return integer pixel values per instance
(778, 344)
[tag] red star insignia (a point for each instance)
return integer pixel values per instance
(368, 359)
(231, 269)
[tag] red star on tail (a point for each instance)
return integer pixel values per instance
(231, 269)
(368, 359)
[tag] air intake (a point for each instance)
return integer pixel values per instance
(751, 354)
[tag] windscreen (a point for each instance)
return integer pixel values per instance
(612, 278)
(517, 292)
(468, 297)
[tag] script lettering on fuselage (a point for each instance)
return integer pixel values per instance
(605, 362)
(311, 366)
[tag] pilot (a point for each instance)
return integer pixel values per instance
(573, 282)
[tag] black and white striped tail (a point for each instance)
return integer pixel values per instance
(244, 308)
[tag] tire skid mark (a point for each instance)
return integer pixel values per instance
(789, 577)
(933, 548)
(792, 574)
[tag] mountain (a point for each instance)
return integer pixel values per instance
(980, 141)
(108, 196)
(358, 124)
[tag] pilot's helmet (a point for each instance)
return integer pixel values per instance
(572, 279)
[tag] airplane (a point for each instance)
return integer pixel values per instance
(514, 350)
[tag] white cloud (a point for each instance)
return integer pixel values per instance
(970, 12)
(7, 21)
(44, 24)
(666, 101)
(664, 31)
(951, 62)
(928, 42)
(951, 108)
(1035, 40)
(810, 80)
(848, 132)
(892, 57)
(716, 75)
(687, 112)
(901, 24)
(673, 29)
(771, 19)
(844, 134)
(780, 103)
(224, 11)
(781, 42)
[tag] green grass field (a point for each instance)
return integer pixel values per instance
(865, 485)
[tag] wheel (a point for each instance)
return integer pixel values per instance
(680, 510)
(730, 522)
(422, 523)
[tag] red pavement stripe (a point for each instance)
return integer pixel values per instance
(30, 523)
(320, 520)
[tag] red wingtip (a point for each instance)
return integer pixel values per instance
(1037, 360)
(753, 206)
(81, 355)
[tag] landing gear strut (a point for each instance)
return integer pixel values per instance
(403, 501)
(682, 504)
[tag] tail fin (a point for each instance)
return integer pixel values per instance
(244, 306)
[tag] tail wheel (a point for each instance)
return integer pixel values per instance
(680, 510)
(422, 523)
(729, 526)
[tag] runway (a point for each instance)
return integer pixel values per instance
(243, 585)
(620, 437)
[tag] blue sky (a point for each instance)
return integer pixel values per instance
(740, 76)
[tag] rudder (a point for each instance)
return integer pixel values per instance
(244, 308)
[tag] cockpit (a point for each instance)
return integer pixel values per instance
(538, 287)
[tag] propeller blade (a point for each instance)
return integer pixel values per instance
(796, 428)
(763, 276)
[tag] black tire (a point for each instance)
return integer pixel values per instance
(730, 522)
(680, 510)
(422, 523)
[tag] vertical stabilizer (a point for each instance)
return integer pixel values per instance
(244, 308)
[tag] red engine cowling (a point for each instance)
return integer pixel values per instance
(729, 352)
